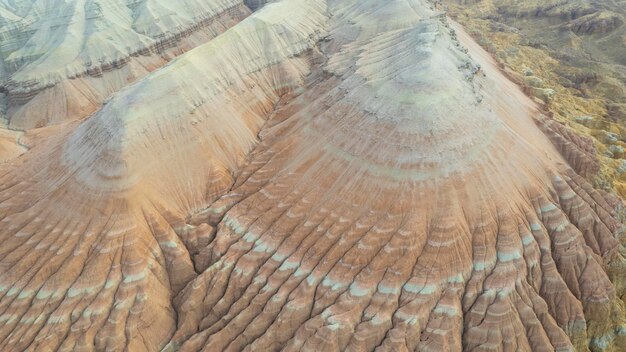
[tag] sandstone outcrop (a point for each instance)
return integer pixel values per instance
(324, 175)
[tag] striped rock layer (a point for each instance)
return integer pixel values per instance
(324, 175)
(60, 59)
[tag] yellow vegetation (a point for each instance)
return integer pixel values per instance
(583, 111)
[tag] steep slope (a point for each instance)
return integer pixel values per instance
(62, 58)
(571, 54)
(406, 203)
(90, 258)
(403, 195)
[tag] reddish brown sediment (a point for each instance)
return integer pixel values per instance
(325, 175)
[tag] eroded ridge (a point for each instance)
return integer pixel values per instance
(61, 59)
(404, 201)
(90, 258)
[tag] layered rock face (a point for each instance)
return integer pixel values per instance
(325, 175)
(61, 59)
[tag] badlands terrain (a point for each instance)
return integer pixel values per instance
(571, 55)
(315, 175)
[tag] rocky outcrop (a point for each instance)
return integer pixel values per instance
(255, 4)
(325, 175)
(578, 150)
(597, 23)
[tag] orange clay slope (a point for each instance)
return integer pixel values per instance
(402, 195)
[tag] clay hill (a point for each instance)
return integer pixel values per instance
(59, 60)
(315, 175)
(570, 54)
